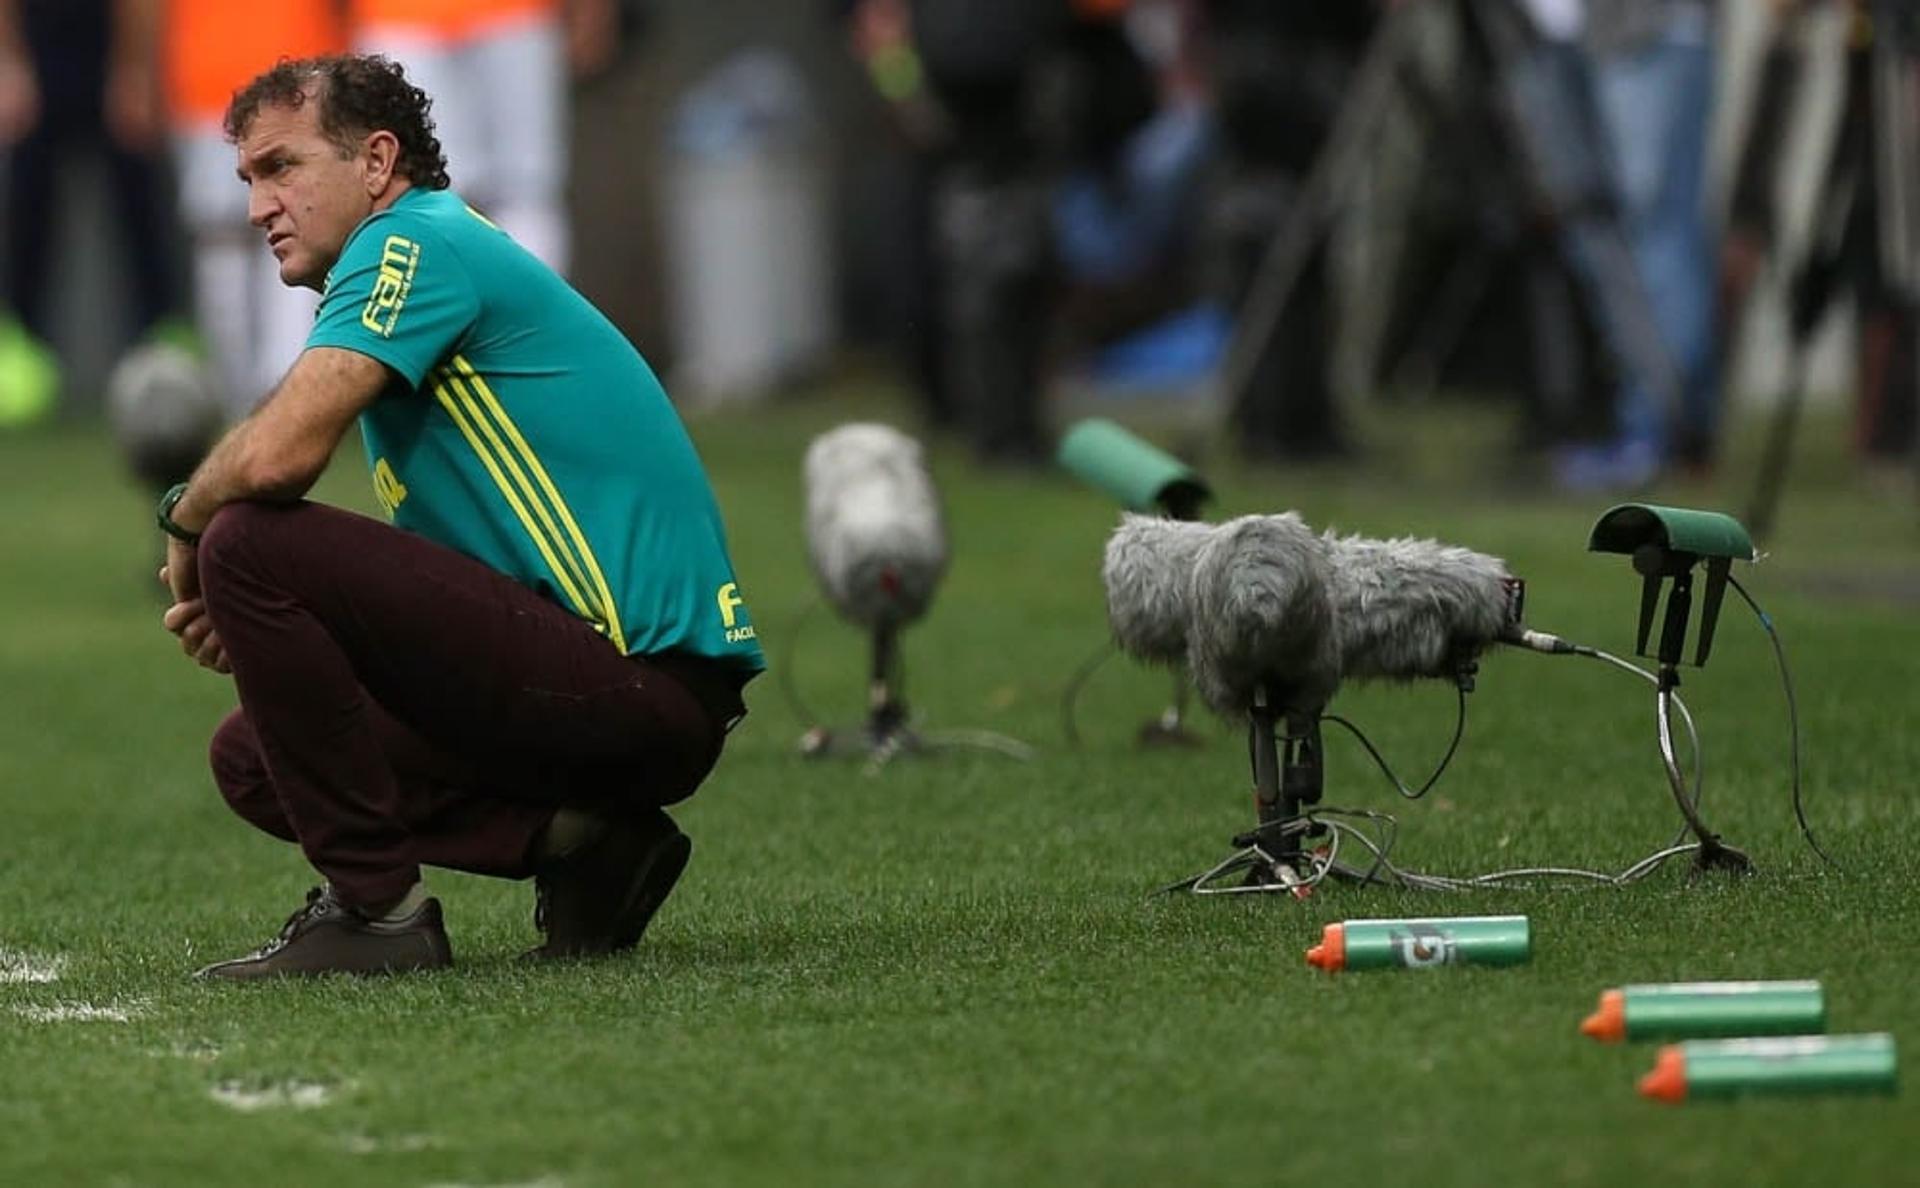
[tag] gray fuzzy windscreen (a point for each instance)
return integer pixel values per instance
(1148, 573)
(1262, 616)
(1407, 607)
(875, 533)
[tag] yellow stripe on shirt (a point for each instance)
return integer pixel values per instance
(581, 548)
(550, 540)
(450, 402)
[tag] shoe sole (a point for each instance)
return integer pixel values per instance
(651, 886)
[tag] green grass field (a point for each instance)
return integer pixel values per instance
(951, 973)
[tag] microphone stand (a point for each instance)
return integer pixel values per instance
(1289, 774)
(886, 707)
(887, 731)
(1655, 564)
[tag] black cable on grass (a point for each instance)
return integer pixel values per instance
(1070, 696)
(788, 687)
(1459, 729)
(1793, 718)
(1632, 874)
(1383, 871)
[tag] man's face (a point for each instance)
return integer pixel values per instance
(302, 192)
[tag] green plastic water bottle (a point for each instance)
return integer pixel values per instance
(1423, 944)
(1696, 1010)
(1801, 1064)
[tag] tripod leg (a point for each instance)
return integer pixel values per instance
(1808, 297)
(1329, 181)
(1782, 427)
(886, 707)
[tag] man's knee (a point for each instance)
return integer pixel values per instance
(233, 531)
(250, 546)
(240, 772)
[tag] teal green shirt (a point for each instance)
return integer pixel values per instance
(527, 433)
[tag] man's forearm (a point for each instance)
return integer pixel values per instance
(233, 471)
(281, 450)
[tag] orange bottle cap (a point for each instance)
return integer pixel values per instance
(1609, 1023)
(1668, 1080)
(1331, 953)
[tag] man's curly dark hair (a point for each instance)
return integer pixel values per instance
(358, 94)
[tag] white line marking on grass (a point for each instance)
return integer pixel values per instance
(199, 1051)
(287, 1095)
(79, 1012)
(17, 968)
(542, 1182)
(366, 1144)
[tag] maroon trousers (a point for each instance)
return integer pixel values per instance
(403, 704)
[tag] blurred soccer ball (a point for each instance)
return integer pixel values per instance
(165, 411)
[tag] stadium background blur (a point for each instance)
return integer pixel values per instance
(948, 973)
(630, 133)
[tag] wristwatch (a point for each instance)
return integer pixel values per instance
(164, 516)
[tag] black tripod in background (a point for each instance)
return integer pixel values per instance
(1866, 236)
(1531, 113)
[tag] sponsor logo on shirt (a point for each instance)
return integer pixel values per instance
(388, 488)
(399, 259)
(729, 599)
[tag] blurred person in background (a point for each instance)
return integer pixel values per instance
(1045, 179)
(966, 102)
(254, 326)
(1652, 65)
(77, 76)
(1134, 143)
(880, 36)
(498, 72)
(1866, 243)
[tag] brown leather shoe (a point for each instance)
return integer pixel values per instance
(600, 898)
(328, 937)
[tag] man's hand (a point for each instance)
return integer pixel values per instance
(187, 617)
(181, 573)
(275, 454)
(189, 621)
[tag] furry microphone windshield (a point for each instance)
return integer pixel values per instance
(1263, 619)
(1148, 576)
(1416, 608)
(875, 533)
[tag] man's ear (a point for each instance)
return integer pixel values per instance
(383, 156)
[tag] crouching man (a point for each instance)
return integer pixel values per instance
(545, 647)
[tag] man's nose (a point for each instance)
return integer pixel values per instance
(261, 205)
